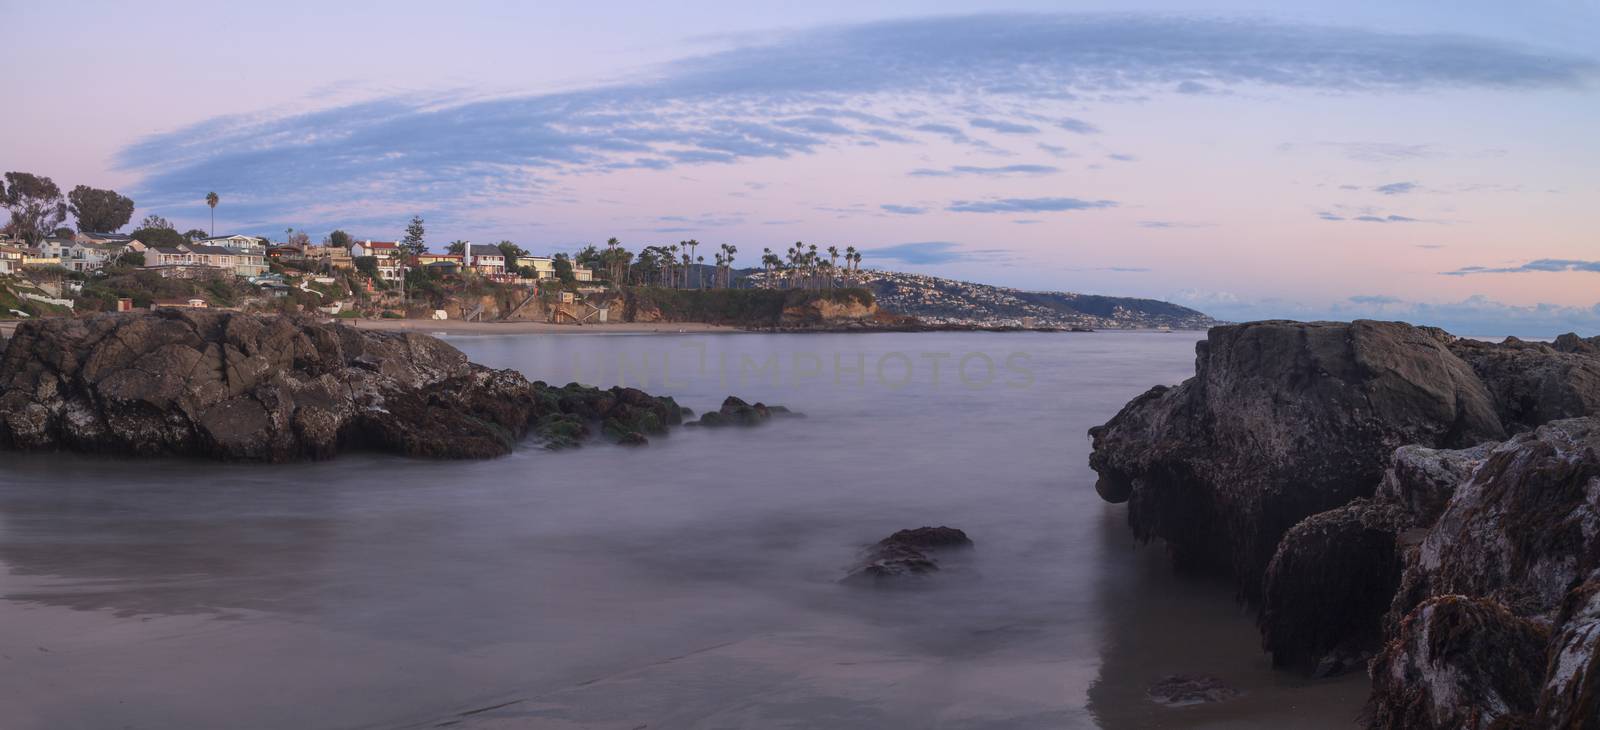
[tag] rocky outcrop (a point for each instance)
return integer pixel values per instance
(1534, 383)
(272, 388)
(1282, 420)
(906, 554)
(1460, 558)
(821, 311)
(1497, 618)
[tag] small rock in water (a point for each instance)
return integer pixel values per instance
(1183, 690)
(904, 554)
(736, 412)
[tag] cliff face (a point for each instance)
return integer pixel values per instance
(267, 388)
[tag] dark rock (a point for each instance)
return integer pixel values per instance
(273, 388)
(1523, 529)
(1571, 342)
(1182, 690)
(906, 554)
(1459, 662)
(1422, 480)
(928, 538)
(736, 412)
(1515, 558)
(1282, 420)
(1326, 590)
(1534, 383)
(1571, 694)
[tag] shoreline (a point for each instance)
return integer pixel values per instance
(455, 327)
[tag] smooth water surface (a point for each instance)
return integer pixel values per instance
(690, 584)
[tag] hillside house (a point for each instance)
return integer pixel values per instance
(487, 260)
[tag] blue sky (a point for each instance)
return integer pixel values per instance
(1411, 160)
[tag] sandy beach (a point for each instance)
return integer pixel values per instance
(511, 328)
(450, 327)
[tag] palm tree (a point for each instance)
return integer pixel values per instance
(212, 200)
(728, 250)
(849, 257)
(692, 244)
(833, 259)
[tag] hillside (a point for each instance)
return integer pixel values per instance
(946, 301)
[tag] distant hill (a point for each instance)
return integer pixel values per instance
(947, 301)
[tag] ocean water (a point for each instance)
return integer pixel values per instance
(690, 584)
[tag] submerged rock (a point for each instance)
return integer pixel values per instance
(1281, 421)
(736, 412)
(1183, 690)
(273, 388)
(906, 554)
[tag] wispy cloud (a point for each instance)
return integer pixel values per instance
(1396, 188)
(959, 170)
(451, 155)
(1027, 205)
(932, 253)
(1384, 219)
(1172, 224)
(1475, 315)
(1003, 127)
(903, 209)
(1537, 265)
(1122, 157)
(1055, 150)
(1077, 126)
(1369, 151)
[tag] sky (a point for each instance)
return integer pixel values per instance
(1432, 162)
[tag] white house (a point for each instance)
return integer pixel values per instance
(391, 267)
(236, 242)
(11, 258)
(486, 259)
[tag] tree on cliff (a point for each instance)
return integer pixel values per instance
(512, 252)
(36, 205)
(157, 231)
(195, 234)
(99, 211)
(413, 243)
(340, 239)
(563, 266)
(457, 247)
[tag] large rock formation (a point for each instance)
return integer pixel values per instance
(1282, 420)
(1296, 424)
(270, 388)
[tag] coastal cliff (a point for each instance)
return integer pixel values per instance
(275, 388)
(1361, 484)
